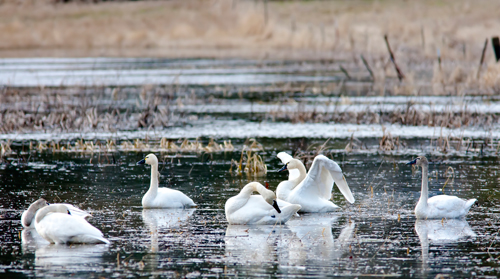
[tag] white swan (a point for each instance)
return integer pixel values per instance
(263, 209)
(29, 215)
(312, 190)
(56, 224)
(441, 206)
(162, 197)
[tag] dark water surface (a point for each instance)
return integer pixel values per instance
(377, 235)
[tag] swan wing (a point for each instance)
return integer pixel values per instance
(75, 211)
(449, 206)
(285, 158)
(65, 228)
(321, 177)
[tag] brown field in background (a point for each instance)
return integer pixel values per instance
(288, 30)
(238, 28)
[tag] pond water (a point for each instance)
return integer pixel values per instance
(235, 100)
(377, 235)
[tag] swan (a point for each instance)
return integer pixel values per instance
(263, 209)
(162, 197)
(29, 214)
(441, 206)
(56, 224)
(312, 190)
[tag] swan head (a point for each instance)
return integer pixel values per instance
(150, 159)
(270, 197)
(292, 164)
(38, 204)
(419, 161)
(29, 215)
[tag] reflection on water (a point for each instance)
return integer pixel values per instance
(316, 243)
(31, 240)
(377, 236)
(440, 232)
(257, 244)
(67, 258)
(157, 219)
(303, 241)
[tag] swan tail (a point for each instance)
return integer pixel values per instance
(341, 183)
(288, 212)
(469, 203)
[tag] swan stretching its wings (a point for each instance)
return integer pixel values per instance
(162, 197)
(441, 206)
(312, 190)
(56, 225)
(263, 209)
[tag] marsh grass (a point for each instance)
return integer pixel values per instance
(250, 164)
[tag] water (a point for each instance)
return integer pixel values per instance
(378, 235)
(234, 100)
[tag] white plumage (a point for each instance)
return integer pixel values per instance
(162, 197)
(246, 209)
(56, 225)
(441, 206)
(312, 190)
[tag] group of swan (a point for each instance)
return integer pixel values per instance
(303, 191)
(61, 223)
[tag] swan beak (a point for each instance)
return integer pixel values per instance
(69, 212)
(141, 162)
(412, 162)
(284, 168)
(275, 205)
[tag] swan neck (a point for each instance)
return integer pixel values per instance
(41, 213)
(302, 175)
(253, 187)
(425, 185)
(153, 188)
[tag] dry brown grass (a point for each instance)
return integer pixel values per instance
(295, 29)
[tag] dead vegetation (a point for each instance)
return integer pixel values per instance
(250, 164)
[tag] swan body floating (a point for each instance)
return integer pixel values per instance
(263, 209)
(441, 206)
(312, 190)
(29, 215)
(56, 225)
(162, 197)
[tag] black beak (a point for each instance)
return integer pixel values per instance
(69, 212)
(141, 162)
(48, 203)
(275, 205)
(284, 168)
(412, 162)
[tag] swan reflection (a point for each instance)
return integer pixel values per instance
(315, 239)
(304, 240)
(443, 231)
(157, 219)
(257, 244)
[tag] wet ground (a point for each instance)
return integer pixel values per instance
(378, 235)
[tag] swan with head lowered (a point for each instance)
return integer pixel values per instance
(313, 189)
(440, 206)
(263, 209)
(56, 225)
(29, 215)
(162, 197)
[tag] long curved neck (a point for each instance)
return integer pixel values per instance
(302, 176)
(153, 188)
(424, 194)
(40, 214)
(253, 187)
(29, 216)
